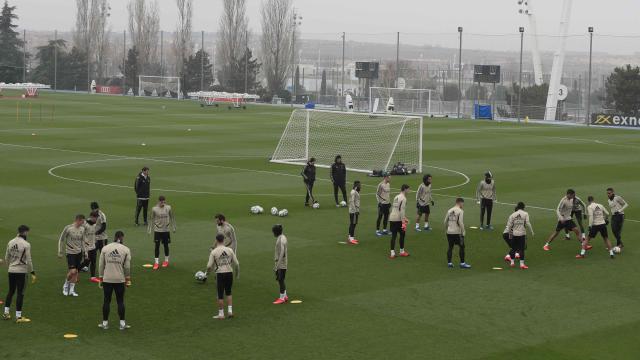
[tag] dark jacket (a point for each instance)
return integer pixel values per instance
(338, 173)
(309, 173)
(142, 186)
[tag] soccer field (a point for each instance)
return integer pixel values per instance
(357, 304)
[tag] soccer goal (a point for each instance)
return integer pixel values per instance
(159, 86)
(367, 142)
(404, 101)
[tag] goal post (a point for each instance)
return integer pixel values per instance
(405, 101)
(159, 86)
(366, 142)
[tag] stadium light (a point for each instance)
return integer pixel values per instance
(460, 71)
(588, 119)
(297, 21)
(521, 29)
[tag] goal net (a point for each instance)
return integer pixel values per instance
(403, 101)
(159, 86)
(366, 142)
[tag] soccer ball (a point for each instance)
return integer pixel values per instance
(617, 249)
(316, 205)
(257, 209)
(343, 203)
(274, 211)
(283, 213)
(201, 276)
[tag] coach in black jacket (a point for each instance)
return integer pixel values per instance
(339, 179)
(142, 187)
(309, 178)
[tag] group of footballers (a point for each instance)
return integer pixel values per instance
(85, 246)
(392, 217)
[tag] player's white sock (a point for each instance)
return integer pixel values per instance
(426, 225)
(547, 244)
(417, 225)
(583, 251)
(157, 260)
(281, 296)
(166, 258)
(221, 312)
(18, 314)
(401, 251)
(521, 262)
(610, 253)
(285, 293)
(6, 310)
(123, 323)
(72, 287)
(393, 253)
(105, 322)
(230, 309)
(513, 262)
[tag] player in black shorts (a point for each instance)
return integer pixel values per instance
(598, 220)
(224, 262)
(565, 221)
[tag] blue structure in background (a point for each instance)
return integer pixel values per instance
(482, 112)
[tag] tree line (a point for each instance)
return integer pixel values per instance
(238, 69)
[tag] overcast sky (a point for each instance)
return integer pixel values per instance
(326, 18)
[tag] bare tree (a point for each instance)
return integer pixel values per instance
(233, 35)
(99, 33)
(91, 32)
(144, 29)
(81, 32)
(277, 27)
(182, 42)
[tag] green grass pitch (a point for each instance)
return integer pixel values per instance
(357, 303)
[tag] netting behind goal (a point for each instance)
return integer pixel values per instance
(159, 86)
(405, 101)
(367, 142)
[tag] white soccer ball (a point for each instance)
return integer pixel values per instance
(283, 213)
(343, 203)
(260, 209)
(316, 205)
(274, 211)
(254, 210)
(201, 276)
(617, 249)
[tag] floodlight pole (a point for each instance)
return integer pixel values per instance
(294, 84)
(588, 119)
(55, 61)
(460, 71)
(162, 53)
(202, 61)
(398, 60)
(343, 49)
(24, 56)
(520, 75)
(246, 62)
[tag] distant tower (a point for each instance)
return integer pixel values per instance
(558, 63)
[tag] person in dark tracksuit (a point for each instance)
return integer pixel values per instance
(142, 188)
(339, 179)
(309, 178)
